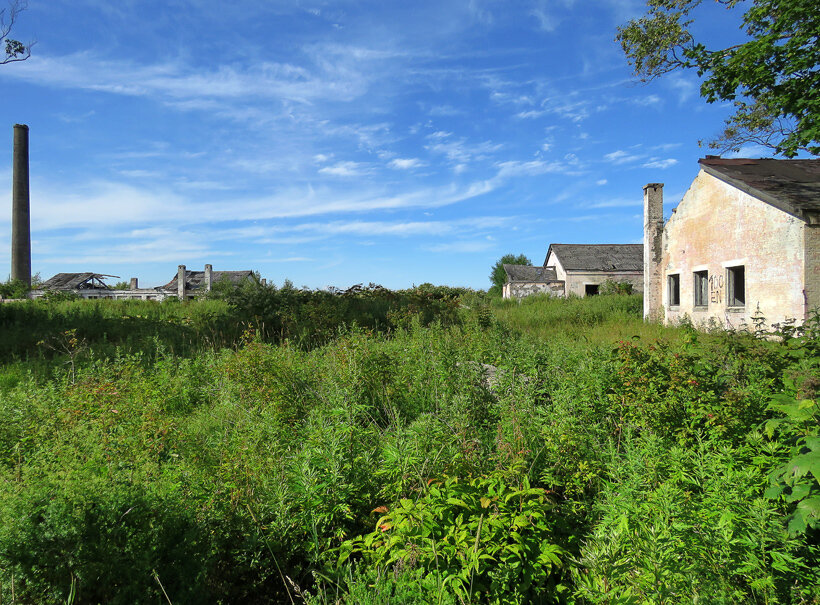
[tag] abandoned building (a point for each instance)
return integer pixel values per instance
(584, 267)
(523, 280)
(744, 242)
(188, 284)
(185, 285)
(86, 285)
(577, 269)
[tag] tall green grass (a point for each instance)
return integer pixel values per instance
(598, 319)
(434, 461)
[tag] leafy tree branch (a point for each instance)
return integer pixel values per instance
(773, 78)
(14, 49)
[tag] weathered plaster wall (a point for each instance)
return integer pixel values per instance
(576, 280)
(552, 261)
(812, 270)
(718, 226)
(522, 289)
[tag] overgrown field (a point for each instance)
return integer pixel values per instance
(426, 446)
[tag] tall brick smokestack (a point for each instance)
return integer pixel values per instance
(20, 210)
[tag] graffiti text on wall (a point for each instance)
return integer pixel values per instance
(716, 288)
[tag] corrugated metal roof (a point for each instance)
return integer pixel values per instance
(791, 185)
(598, 257)
(77, 281)
(195, 280)
(525, 273)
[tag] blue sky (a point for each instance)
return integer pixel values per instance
(339, 142)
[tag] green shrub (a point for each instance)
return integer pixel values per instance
(797, 426)
(690, 525)
(488, 540)
(611, 286)
(108, 542)
(14, 288)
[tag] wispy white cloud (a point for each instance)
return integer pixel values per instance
(660, 163)
(103, 203)
(463, 247)
(460, 151)
(140, 174)
(646, 101)
(405, 163)
(345, 169)
(622, 157)
(666, 146)
(684, 86)
(617, 203)
(751, 151)
(445, 111)
(546, 21)
(546, 13)
(331, 77)
(532, 168)
(531, 113)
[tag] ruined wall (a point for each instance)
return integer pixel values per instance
(577, 280)
(717, 226)
(522, 289)
(92, 294)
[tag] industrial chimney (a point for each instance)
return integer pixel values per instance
(209, 277)
(181, 293)
(652, 251)
(20, 212)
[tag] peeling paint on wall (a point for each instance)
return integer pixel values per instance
(734, 236)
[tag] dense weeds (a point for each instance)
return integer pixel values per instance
(273, 449)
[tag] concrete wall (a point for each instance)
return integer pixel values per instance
(717, 226)
(522, 289)
(92, 294)
(578, 280)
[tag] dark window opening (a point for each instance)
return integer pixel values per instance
(674, 290)
(590, 289)
(736, 276)
(701, 288)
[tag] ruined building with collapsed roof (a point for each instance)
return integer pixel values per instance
(185, 285)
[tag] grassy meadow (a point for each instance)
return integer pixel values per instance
(433, 445)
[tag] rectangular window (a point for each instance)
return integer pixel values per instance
(673, 282)
(590, 289)
(701, 283)
(736, 278)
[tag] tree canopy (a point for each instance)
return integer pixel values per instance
(497, 275)
(773, 78)
(14, 49)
